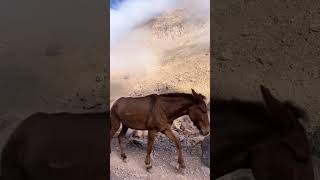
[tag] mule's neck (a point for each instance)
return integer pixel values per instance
(175, 107)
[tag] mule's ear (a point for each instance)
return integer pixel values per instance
(268, 98)
(193, 92)
(278, 112)
(281, 114)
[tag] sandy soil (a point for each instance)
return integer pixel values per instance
(275, 43)
(50, 60)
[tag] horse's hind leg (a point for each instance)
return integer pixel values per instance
(115, 125)
(120, 136)
(151, 136)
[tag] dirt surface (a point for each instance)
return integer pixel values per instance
(179, 52)
(164, 160)
(51, 61)
(276, 43)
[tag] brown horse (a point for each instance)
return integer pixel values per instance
(156, 113)
(268, 139)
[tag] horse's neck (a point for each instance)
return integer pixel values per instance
(176, 107)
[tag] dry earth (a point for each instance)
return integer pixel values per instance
(164, 160)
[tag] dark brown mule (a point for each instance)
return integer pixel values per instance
(156, 113)
(62, 146)
(267, 138)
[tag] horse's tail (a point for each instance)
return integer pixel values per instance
(113, 111)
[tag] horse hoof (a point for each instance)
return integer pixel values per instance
(148, 167)
(182, 166)
(124, 157)
(181, 171)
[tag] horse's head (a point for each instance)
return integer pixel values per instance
(198, 113)
(286, 116)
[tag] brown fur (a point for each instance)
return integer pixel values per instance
(156, 113)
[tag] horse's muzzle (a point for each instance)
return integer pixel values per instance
(204, 133)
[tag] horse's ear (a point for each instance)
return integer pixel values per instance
(268, 98)
(193, 92)
(279, 113)
(285, 115)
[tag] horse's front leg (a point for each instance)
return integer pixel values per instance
(168, 132)
(151, 137)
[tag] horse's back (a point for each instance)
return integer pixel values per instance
(127, 105)
(134, 112)
(57, 146)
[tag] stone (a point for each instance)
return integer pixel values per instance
(139, 134)
(187, 126)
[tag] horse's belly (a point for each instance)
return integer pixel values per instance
(134, 122)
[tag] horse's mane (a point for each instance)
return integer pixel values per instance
(252, 108)
(237, 105)
(178, 94)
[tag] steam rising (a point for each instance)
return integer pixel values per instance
(134, 12)
(131, 49)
